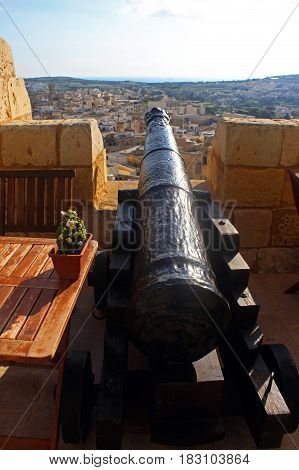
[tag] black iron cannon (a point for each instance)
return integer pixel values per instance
(176, 309)
(156, 288)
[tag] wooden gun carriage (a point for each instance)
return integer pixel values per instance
(196, 370)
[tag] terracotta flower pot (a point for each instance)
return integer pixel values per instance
(69, 266)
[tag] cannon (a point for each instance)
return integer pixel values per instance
(173, 290)
(176, 309)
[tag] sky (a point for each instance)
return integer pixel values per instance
(169, 39)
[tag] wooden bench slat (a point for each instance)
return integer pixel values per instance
(20, 314)
(37, 315)
(21, 204)
(11, 201)
(47, 270)
(29, 258)
(27, 240)
(39, 262)
(60, 198)
(5, 292)
(17, 257)
(30, 201)
(50, 202)
(36, 282)
(8, 254)
(41, 187)
(10, 305)
(3, 248)
(70, 183)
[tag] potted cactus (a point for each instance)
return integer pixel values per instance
(72, 241)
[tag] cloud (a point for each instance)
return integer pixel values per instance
(163, 13)
(163, 8)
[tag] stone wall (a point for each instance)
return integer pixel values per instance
(72, 143)
(68, 143)
(247, 172)
(14, 99)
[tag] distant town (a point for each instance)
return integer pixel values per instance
(194, 108)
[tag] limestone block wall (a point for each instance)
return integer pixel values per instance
(55, 144)
(247, 172)
(14, 99)
(68, 143)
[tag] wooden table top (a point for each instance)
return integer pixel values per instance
(35, 304)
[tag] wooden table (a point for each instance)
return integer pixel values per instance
(35, 309)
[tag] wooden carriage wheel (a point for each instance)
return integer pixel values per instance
(76, 397)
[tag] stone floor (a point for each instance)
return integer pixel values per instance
(278, 319)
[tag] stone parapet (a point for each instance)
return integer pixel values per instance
(28, 144)
(267, 143)
(254, 226)
(246, 186)
(65, 143)
(70, 143)
(14, 99)
(247, 172)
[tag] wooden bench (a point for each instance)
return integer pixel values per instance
(31, 200)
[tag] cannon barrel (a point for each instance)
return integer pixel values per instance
(176, 310)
